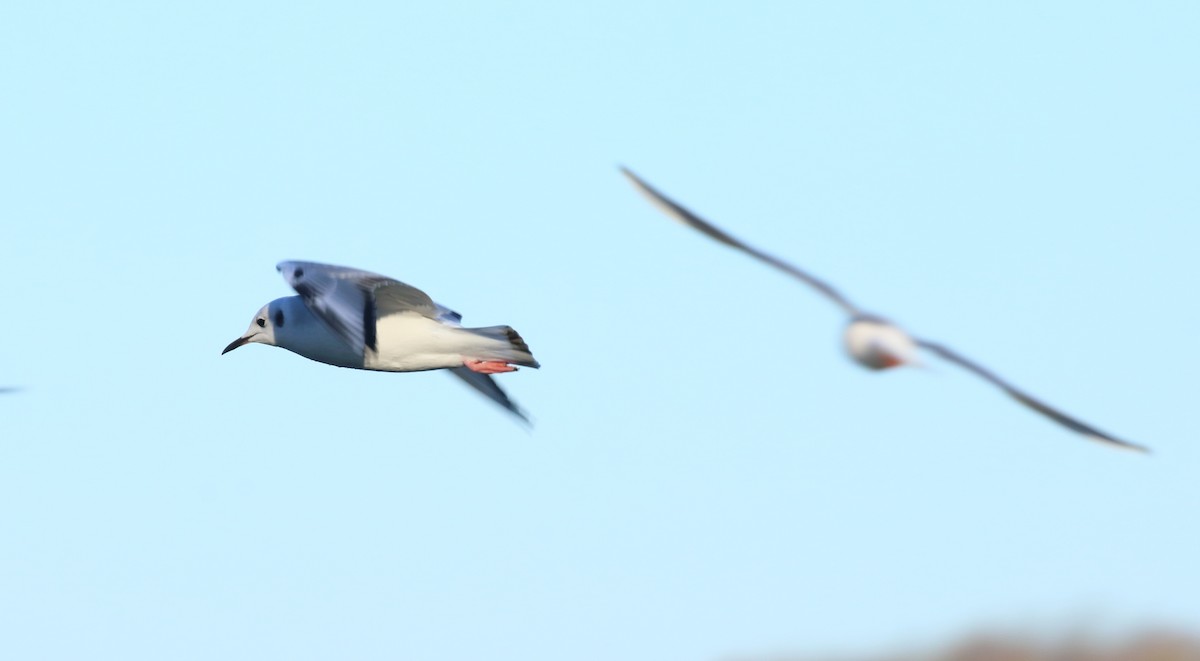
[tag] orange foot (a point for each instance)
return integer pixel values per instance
(488, 366)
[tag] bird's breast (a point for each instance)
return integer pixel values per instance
(879, 346)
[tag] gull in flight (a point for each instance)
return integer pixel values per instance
(872, 341)
(352, 318)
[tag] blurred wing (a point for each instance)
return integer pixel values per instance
(692, 220)
(349, 300)
(1054, 414)
(448, 316)
(486, 385)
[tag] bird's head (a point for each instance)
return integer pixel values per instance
(264, 327)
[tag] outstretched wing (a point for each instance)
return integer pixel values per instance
(692, 220)
(350, 300)
(486, 385)
(1052, 413)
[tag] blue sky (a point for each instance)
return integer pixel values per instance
(708, 476)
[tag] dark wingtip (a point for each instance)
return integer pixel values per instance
(1123, 445)
(631, 176)
(520, 414)
(518, 343)
(516, 340)
(516, 411)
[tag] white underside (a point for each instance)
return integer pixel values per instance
(872, 343)
(410, 342)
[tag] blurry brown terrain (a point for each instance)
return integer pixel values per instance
(1155, 646)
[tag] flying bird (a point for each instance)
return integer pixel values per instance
(352, 318)
(872, 341)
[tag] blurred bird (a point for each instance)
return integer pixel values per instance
(871, 340)
(352, 318)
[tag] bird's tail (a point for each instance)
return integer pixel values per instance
(504, 344)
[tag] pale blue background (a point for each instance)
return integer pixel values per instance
(708, 476)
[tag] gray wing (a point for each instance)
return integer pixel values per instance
(486, 385)
(349, 300)
(1054, 414)
(692, 220)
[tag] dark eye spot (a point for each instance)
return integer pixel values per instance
(298, 273)
(279, 318)
(262, 323)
